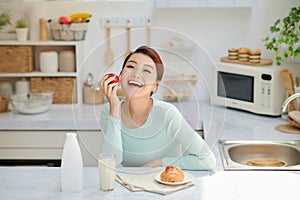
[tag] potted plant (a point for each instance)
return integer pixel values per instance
(7, 30)
(4, 19)
(285, 36)
(22, 29)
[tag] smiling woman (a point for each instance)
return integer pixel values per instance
(143, 131)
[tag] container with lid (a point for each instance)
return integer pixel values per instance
(66, 60)
(49, 61)
(6, 89)
(22, 87)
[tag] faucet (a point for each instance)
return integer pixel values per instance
(286, 103)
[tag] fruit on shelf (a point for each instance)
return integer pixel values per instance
(77, 20)
(83, 15)
(64, 20)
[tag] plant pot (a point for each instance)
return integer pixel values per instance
(22, 34)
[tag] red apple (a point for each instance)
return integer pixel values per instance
(115, 80)
(77, 20)
(65, 20)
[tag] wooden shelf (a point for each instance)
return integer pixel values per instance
(39, 74)
(40, 43)
(38, 47)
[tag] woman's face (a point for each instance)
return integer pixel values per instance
(138, 78)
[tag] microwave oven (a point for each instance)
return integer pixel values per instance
(257, 89)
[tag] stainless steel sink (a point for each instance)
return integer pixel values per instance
(236, 154)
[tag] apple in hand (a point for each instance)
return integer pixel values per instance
(65, 20)
(115, 80)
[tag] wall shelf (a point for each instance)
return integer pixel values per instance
(38, 47)
(39, 74)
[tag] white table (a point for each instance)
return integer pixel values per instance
(44, 183)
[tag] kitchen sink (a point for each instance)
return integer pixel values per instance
(260, 155)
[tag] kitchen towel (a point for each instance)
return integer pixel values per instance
(146, 182)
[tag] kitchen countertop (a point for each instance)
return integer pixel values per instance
(231, 124)
(218, 123)
(59, 117)
(44, 183)
(78, 117)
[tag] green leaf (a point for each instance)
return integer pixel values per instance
(278, 60)
(287, 29)
(266, 39)
(273, 29)
(281, 40)
(277, 22)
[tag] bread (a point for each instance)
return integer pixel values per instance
(243, 54)
(233, 54)
(232, 50)
(254, 56)
(243, 50)
(266, 162)
(255, 52)
(244, 57)
(172, 174)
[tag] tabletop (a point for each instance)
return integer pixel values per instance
(44, 183)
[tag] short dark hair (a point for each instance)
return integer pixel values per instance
(153, 55)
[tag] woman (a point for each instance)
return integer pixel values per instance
(143, 131)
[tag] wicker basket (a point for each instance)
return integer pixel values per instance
(16, 59)
(3, 104)
(74, 31)
(64, 88)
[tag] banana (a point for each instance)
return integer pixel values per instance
(80, 15)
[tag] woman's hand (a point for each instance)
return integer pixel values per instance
(154, 163)
(110, 91)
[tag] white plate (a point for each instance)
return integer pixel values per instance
(187, 178)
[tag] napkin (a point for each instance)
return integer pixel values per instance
(146, 182)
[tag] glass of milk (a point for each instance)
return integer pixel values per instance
(107, 171)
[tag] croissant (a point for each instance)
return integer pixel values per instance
(172, 174)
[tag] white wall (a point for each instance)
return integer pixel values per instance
(213, 29)
(217, 29)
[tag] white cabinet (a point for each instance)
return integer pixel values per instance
(47, 145)
(76, 46)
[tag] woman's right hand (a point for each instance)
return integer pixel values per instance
(110, 91)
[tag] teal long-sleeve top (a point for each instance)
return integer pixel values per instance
(165, 134)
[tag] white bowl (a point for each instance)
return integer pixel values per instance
(33, 103)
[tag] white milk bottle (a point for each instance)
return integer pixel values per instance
(72, 165)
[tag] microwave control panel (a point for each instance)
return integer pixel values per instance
(266, 90)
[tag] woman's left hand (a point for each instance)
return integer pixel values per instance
(154, 163)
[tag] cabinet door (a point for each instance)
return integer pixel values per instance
(47, 145)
